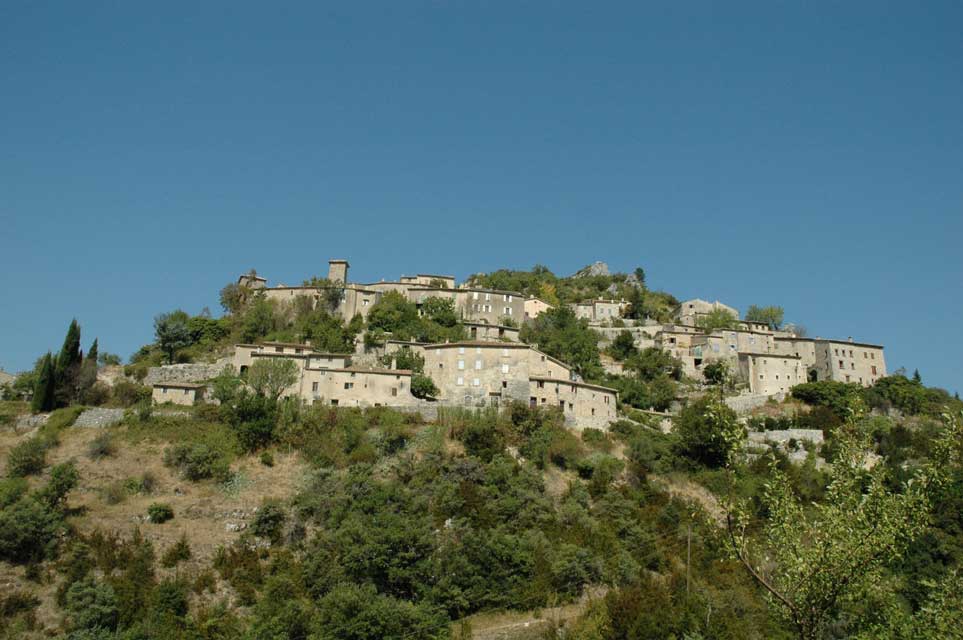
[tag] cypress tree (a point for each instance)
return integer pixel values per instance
(67, 367)
(44, 390)
(92, 353)
(917, 378)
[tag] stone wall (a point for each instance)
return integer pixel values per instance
(748, 402)
(183, 373)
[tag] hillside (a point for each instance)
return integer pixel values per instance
(832, 510)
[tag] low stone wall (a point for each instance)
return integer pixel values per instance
(748, 402)
(783, 436)
(99, 418)
(183, 373)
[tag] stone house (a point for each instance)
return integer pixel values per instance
(839, 360)
(494, 332)
(689, 312)
(182, 393)
(769, 373)
(534, 306)
(583, 405)
(598, 310)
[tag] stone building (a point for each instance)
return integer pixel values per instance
(182, 393)
(534, 306)
(494, 332)
(769, 373)
(690, 311)
(598, 310)
(839, 360)
(582, 404)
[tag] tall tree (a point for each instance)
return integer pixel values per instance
(45, 388)
(172, 332)
(67, 366)
(87, 374)
(771, 316)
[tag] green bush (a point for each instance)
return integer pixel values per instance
(269, 521)
(127, 394)
(101, 447)
(267, 459)
(159, 512)
(197, 462)
(27, 458)
(708, 432)
(179, 552)
(91, 605)
(252, 417)
(423, 387)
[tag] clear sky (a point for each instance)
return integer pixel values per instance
(802, 154)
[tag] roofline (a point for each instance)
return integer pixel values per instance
(180, 385)
(384, 372)
(482, 343)
(829, 340)
(578, 384)
(755, 354)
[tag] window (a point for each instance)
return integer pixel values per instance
(475, 382)
(164, 390)
(461, 365)
(505, 352)
(364, 303)
(460, 381)
(394, 391)
(314, 387)
(478, 365)
(334, 403)
(873, 368)
(279, 349)
(836, 351)
(847, 378)
(541, 384)
(504, 384)
(488, 297)
(872, 356)
(841, 365)
(852, 365)
(474, 296)
(349, 385)
(461, 349)
(850, 353)
(298, 350)
(477, 349)
(504, 368)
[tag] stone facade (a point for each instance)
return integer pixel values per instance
(183, 393)
(533, 307)
(184, 373)
(769, 374)
(598, 310)
(690, 311)
(583, 405)
(847, 361)
(494, 332)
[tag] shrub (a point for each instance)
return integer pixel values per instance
(27, 458)
(196, 462)
(159, 512)
(129, 393)
(11, 490)
(269, 521)
(252, 417)
(179, 552)
(114, 493)
(423, 387)
(101, 447)
(144, 484)
(709, 432)
(267, 459)
(91, 605)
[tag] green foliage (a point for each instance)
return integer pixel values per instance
(394, 314)
(179, 552)
(657, 394)
(102, 446)
(31, 524)
(45, 386)
(907, 395)
(91, 605)
(717, 373)
(840, 397)
(423, 387)
(652, 363)
(258, 320)
(27, 458)
(405, 358)
(160, 512)
(561, 335)
(352, 612)
(771, 316)
(269, 377)
(269, 521)
(717, 319)
(440, 310)
(623, 347)
(172, 332)
(709, 432)
(252, 418)
(197, 462)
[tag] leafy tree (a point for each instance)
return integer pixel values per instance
(560, 334)
(653, 362)
(258, 320)
(232, 298)
(840, 397)
(270, 377)
(269, 521)
(709, 432)
(771, 316)
(440, 310)
(423, 387)
(393, 313)
(716, 319)
(821, 558)
(716, 373)
(253, 418)
(172, 332)
(352, 612)
(623, 347)
(109, 359)
(405, 358)
(226, 386)
(45, 386)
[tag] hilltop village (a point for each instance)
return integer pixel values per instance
(491, 365)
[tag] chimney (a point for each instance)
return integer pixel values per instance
(850, 338)
(338, 271)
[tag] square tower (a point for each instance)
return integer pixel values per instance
(338, 271)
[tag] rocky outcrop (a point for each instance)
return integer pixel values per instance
(598, 268)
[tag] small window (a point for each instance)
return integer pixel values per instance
(314, 387)
(334, 403)
(478, 364)
(279, 349)
(505, 352)
(349, 385)
(461, 350)
(394, 391)
(504, 368)
(475, 382)
(461, 365)
(460, 381)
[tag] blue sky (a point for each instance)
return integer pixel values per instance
(802, 154)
